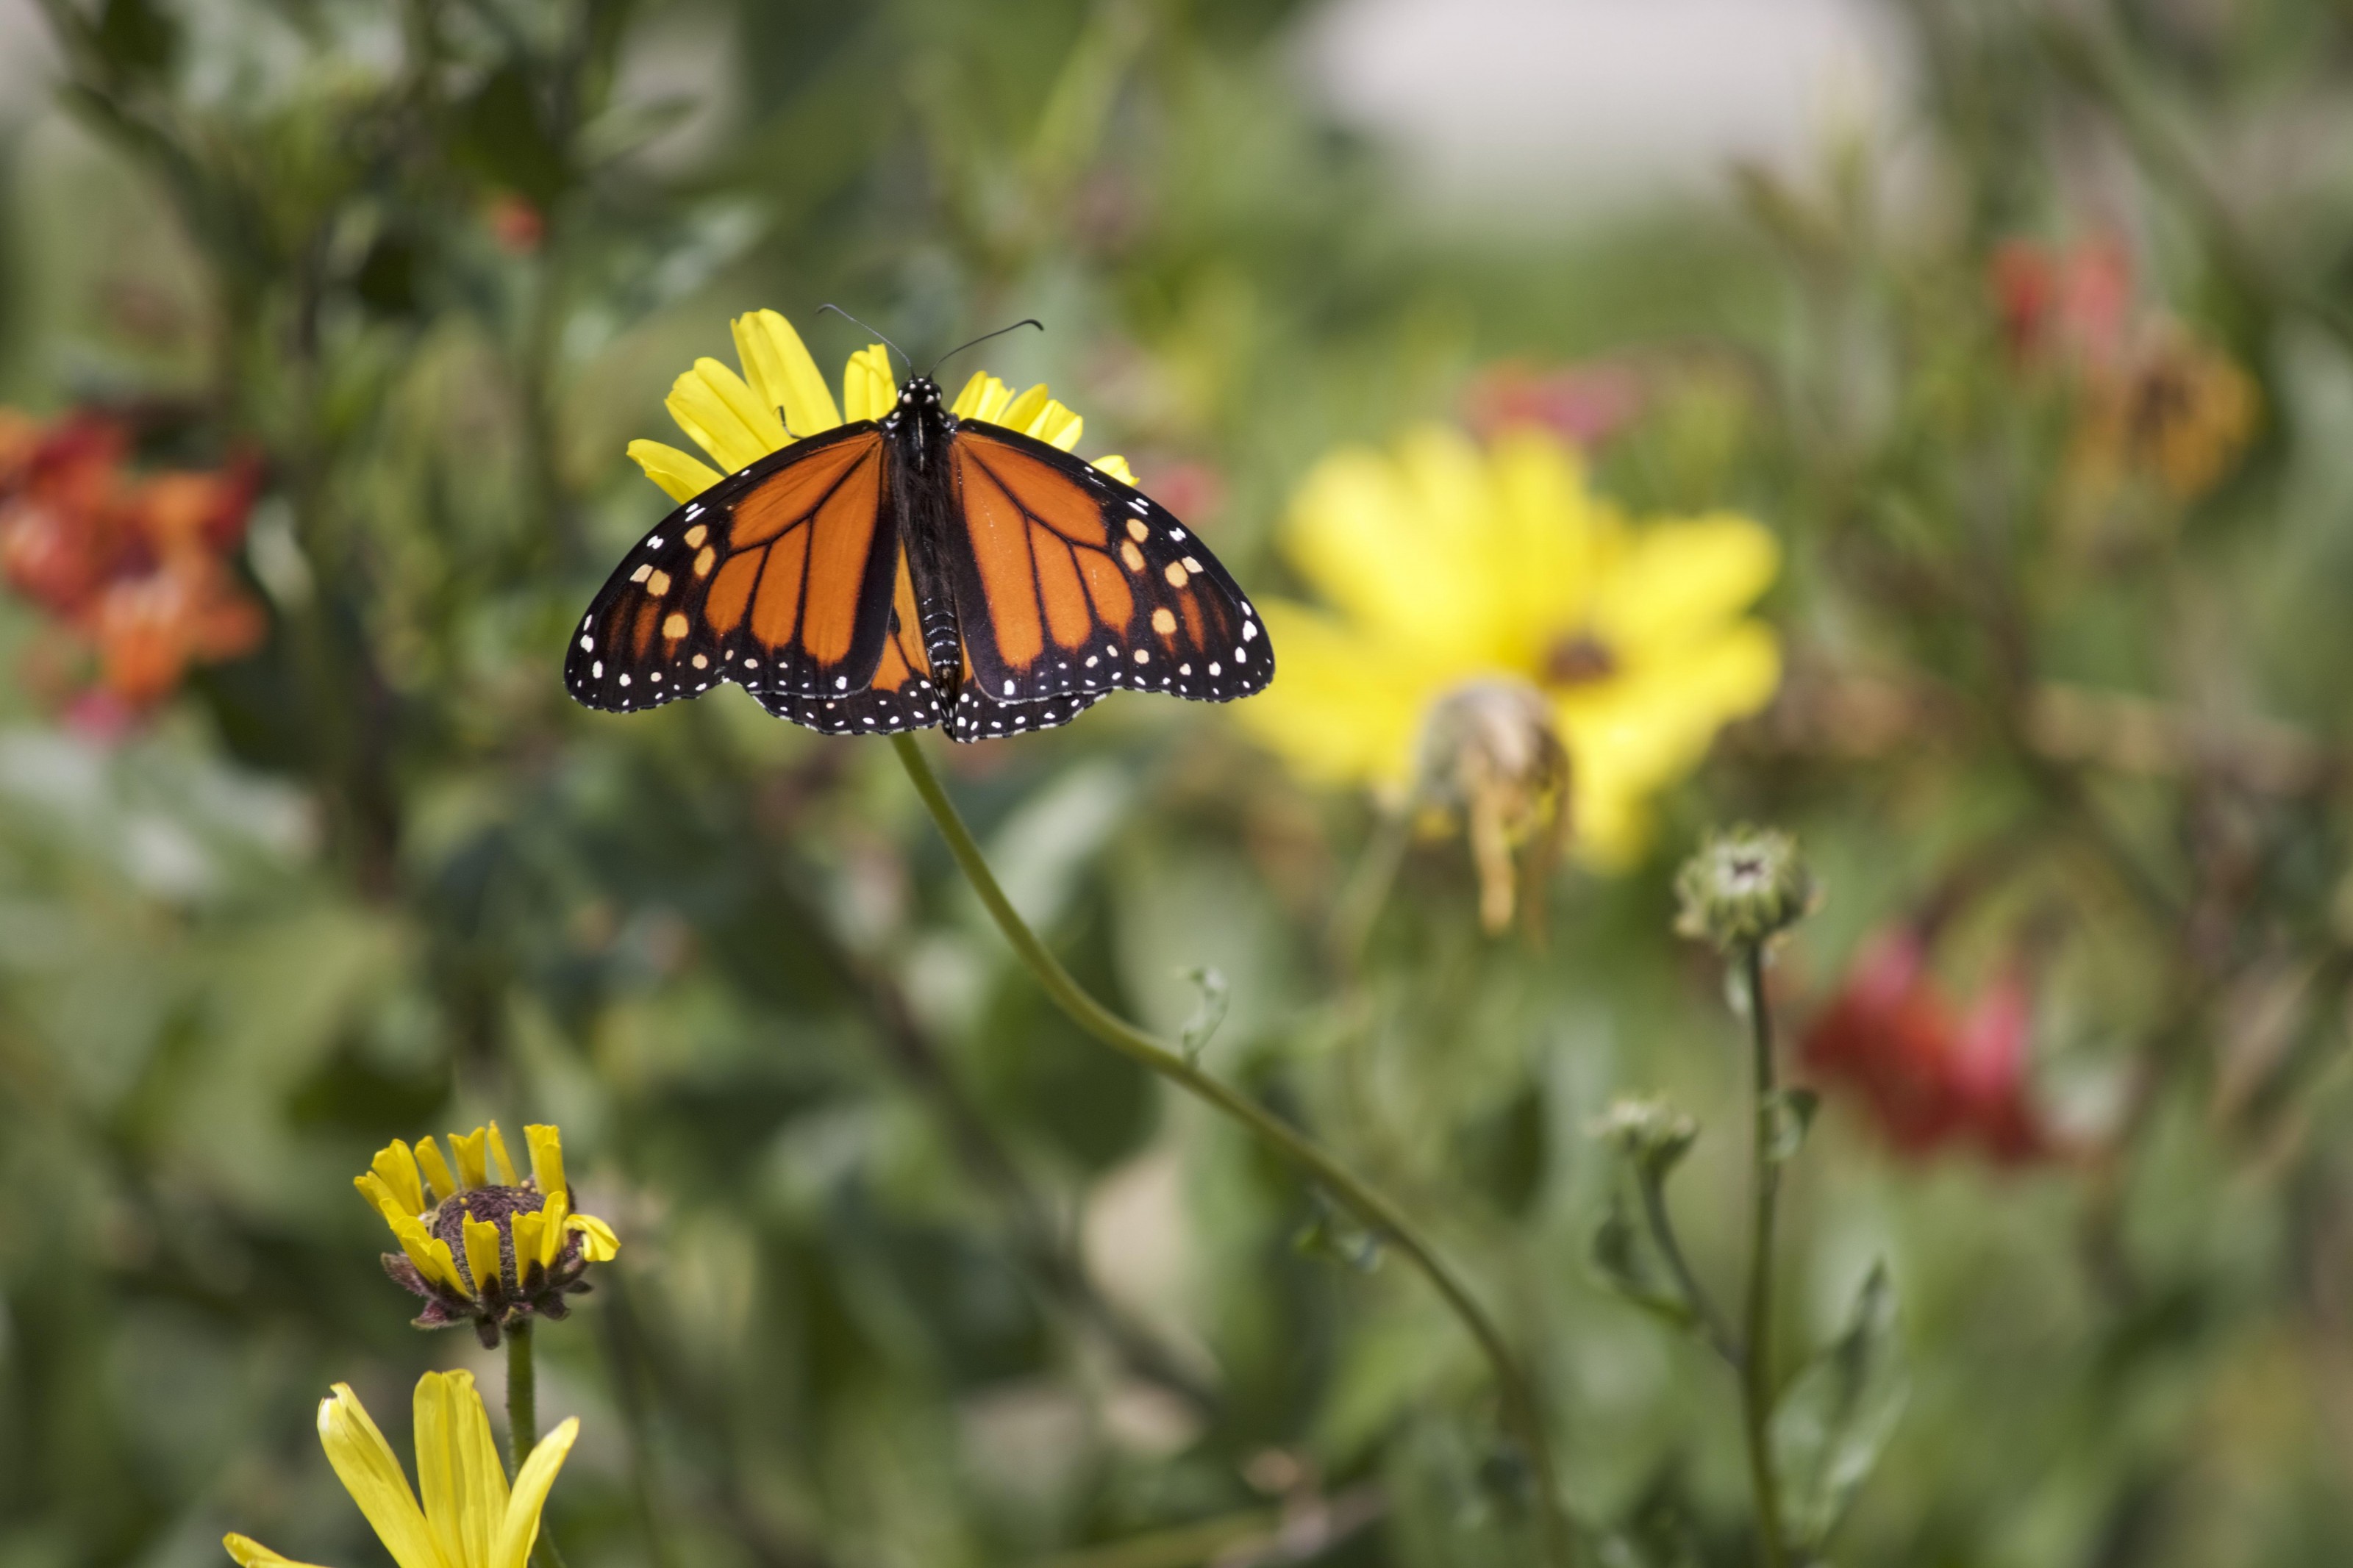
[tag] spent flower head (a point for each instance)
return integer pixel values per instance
(479, 1243)
(472, 1518)
(1491, 756)
(1743, 887)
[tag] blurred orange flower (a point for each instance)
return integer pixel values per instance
(135, 566)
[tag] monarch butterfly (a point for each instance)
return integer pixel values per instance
(919, 570)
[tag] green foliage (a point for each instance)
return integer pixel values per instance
(913, 1270)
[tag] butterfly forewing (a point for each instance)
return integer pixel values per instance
(1067, 581)
(780, 577)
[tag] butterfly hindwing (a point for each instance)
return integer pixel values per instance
(900, 694)
(1068, 581)
(780, 577)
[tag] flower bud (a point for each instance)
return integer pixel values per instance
(1651, 1133)
(1743, 887)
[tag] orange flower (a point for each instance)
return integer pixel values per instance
(136, 567)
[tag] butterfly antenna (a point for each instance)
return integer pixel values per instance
(856, 323)
(1032, 322)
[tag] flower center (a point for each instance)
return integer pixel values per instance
(488, 1205)
(1578, 659)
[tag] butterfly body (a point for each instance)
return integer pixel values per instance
(913, 572)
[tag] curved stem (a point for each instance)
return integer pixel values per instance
(1670, 1248)
(1519, 1406)
(1756, 1358)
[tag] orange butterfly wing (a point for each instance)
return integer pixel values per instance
(900, 696)
(780, 578)
(1068, 583)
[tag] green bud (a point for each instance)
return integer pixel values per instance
(1743, 887)
(1651, 1133)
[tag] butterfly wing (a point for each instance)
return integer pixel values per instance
(780, 577)
(900, 694)
(1068, 583)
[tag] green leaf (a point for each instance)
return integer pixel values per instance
(1621, 1267)
(1208, 1014)
(1784, 1120)
(1830, 1425)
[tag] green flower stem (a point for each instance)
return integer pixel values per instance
(1756, 1358)
(1694, 1295)
(522, 1425)
(1519, 1406)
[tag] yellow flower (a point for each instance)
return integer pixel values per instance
(470, 1519)
(781, 398)
(482, 1251)
(1443, 564)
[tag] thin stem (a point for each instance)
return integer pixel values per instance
(1694, 1295)
(1756, 1358)
(1519, 1407)
(522, 1425)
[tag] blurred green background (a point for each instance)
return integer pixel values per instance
(2027, 328)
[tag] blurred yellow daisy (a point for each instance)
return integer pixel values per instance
(780, 397)
(1443, 564)
(479, 1243)
(471, 1518)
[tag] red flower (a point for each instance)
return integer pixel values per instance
(2071, 302)
(135, 567)
(1932, 1078)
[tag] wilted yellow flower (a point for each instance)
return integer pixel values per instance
(471, 1518)
(781, 398)
(480, 1243)
(2183, 410)
(1443, 564)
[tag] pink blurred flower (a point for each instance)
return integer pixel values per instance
(2071, 302)
(1583, 403)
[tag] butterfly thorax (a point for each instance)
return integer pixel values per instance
(919, 427)
(919, 430)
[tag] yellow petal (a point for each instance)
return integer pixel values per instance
(363, 1462)
(529, 1239)
(398, 1168)
(466, 1150)
(551, 1235)
(432, 1257)
(1116, 467)
(597, 1242)
(457, 1469)
(1631, 736)
(482, 1253)
(682, 476)
(501, 1166)
(380, 1197)
(1401, 546)
(783, 375)
(715, 408)
(253, 1554)
(1348, 709)
(436, 1169)
(1058, 426)
(520, 1528)
(867, 390)
(1018, 413)
(547, 1157)
(1679, 581)
(978, 395)
(1551, 543)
